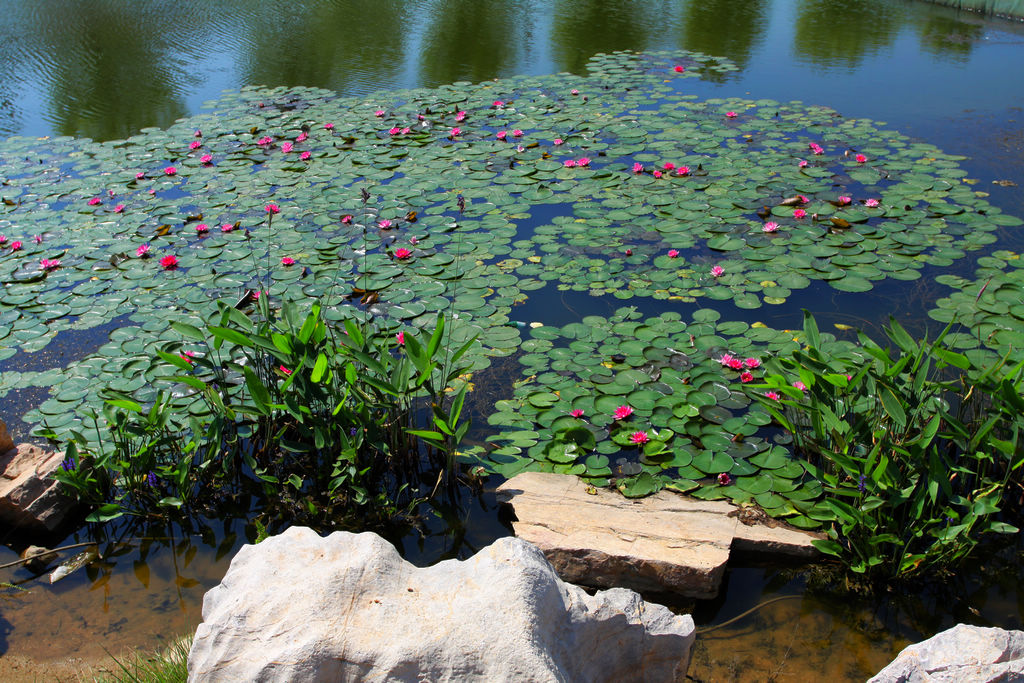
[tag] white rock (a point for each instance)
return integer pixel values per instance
(962, 654)
(298, 607)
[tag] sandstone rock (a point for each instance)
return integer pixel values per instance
(6, 442)
(298, 607)
(38, 558)
(962, 654)
(664, 542)
(28, 496)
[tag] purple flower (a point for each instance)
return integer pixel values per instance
(151, 478)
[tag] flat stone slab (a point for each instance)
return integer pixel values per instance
(664, 542)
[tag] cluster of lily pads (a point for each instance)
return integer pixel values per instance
(991, 307)
(652, 403)
(459, 198)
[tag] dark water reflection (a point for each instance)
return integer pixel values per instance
(106, 68)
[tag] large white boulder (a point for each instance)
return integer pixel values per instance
(962, 654)
(299, 607)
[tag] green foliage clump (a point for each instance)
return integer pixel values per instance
(322, 420)
(916, 447)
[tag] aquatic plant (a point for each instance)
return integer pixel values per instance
(328, 419)
(916, 447)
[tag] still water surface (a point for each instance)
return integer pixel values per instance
(106, 69)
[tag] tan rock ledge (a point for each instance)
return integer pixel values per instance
(665, 542)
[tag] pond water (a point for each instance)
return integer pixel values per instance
(106, 70)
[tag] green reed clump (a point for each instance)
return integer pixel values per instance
(915, 446)
(323, 419)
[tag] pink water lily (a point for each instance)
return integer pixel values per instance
(574, 91)
(16, 245)
(639, 438)
(583, 161)
(394, 131)
(187, 356)
(656, 173)
(202, 228)
(272, 209)
(346, 219)
(301, 137)
(735, 364)
(400, 338)
(94, 201)
(284, 369)
(501, 134)
(558, 141)
(683, 170)
(844, 200)
(456, 131)
(746, 377)
(460, 116)
(773, 395)
(265, 141)
(731, 114)
(498, 104)
(305, 156)
(576, 412)
(142, 251)
(629, 252)
(678, 69)
(170, 170)
(140, 175)
(622, 412)
(673, 253)
(569, 163)
(802, 164)
(286, 147)
(638, 167)
(752, 362)
(287, 261)
(49, 264)
(717, 271)
(770, 226)
(384, 223)
(329, 126)
(227, 227)
(379, 113)
(726, 359)
(414, 240)
(816, 148)
(799, 213)
(402, 253)
(517, 133)
(669, 166)
(195, 144)
(206, 159)
(871, 203)
(724, 479)
(800, 385)
(861, 158)
(38, 239)
(169, 262)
